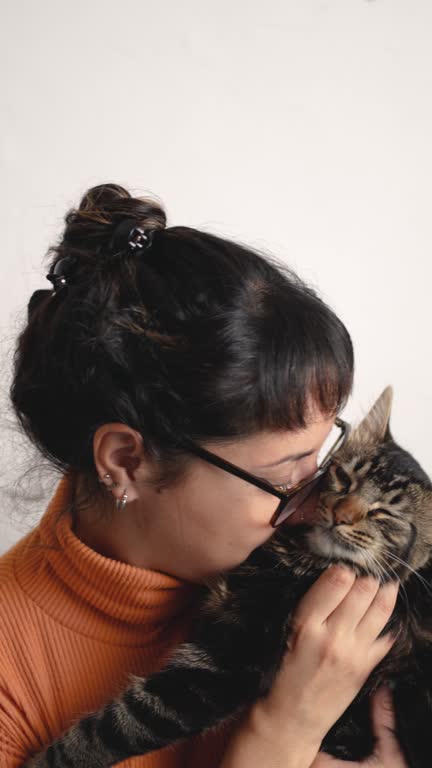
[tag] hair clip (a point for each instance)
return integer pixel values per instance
(60, 272)
(128, 234)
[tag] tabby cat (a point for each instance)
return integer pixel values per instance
(375, 515)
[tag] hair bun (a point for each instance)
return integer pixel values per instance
(102, 197)
(111, 203)
(91, 227)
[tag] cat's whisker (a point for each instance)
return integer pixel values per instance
(375, 562)
(402, 586)
(426, 585)
(381, 567)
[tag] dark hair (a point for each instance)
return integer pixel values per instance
(197, 337)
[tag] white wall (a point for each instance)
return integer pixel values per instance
(302, 127)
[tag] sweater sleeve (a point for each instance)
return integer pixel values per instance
(15, 746)
(9, 757)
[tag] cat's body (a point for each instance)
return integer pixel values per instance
(376, 506)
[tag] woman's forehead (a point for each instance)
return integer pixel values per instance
(269, 447)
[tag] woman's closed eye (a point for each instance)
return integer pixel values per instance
(301, 471)
(283, 486)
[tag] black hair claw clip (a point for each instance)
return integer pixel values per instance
(128, 235)
(60, 273)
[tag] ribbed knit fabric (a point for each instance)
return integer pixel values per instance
(73, 625)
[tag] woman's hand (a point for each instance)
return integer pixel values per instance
(387, 753)
(332, 651)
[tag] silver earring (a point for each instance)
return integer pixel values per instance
(108, 477)
(121, 503)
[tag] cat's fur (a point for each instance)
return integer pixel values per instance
(375, 514)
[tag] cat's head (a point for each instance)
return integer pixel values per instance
(375, 508)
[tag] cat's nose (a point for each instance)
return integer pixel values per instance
(349, 510)
(344, 520)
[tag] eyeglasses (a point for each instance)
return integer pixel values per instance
(289, 500)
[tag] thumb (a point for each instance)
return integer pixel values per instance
(387, 748)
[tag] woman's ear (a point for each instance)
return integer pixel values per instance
(118, 452)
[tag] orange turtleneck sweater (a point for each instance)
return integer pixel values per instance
(74, 625)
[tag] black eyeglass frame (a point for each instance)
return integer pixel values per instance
(284, 496)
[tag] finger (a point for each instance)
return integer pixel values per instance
(379, 649)
(387, 750)
(383, 721)
(352, 609)
(325, 594)
(380, 610)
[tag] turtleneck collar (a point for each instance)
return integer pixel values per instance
(92, 594)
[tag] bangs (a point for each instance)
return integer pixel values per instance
(297, 360)
(306, 367)
(294, 388)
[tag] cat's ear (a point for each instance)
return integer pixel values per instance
(375, 426)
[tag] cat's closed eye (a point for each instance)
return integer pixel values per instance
(374, 512)
(341, 476)
(380, 511)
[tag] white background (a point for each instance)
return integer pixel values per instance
(300, 127)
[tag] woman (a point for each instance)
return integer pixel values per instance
(155, 340)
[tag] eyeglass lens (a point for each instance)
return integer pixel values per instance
(323, 460)
(296, 501)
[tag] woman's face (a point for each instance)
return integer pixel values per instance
(211, 520)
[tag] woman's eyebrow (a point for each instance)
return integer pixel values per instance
(292, 457)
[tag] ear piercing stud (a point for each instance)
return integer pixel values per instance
(108, 477)
(120, 503)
